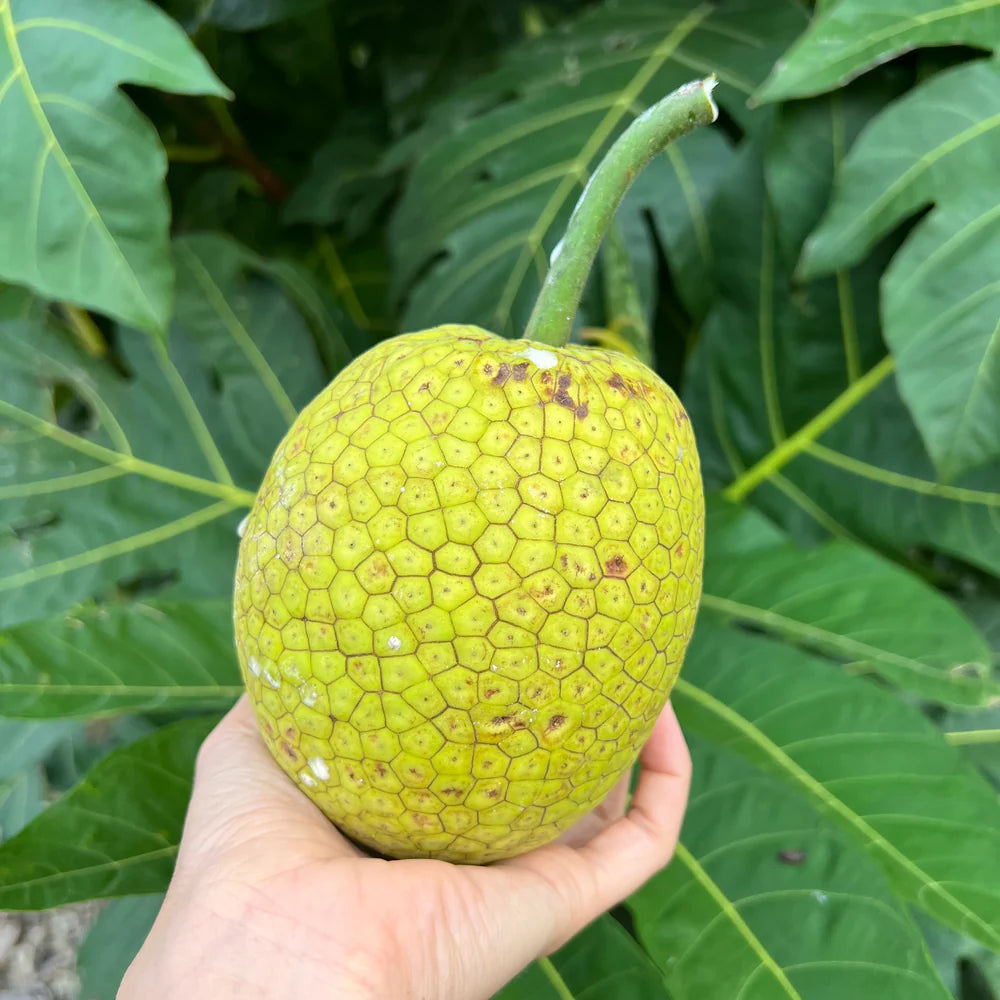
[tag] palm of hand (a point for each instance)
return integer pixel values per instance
(269, 901)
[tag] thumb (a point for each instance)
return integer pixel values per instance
(242, 798)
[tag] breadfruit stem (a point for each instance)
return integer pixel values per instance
(682, 111)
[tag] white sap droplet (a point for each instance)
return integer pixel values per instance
(539, 357)
(318, 767)
(308, 780)
(271, 679)
(402, 489)
(680, 453)
(242, 526)
(394, 642)
(254, 666)
(820, 897)
(309, 695)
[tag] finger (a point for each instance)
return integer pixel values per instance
(586, 881)
(239, 785)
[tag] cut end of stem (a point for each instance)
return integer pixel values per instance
(706, 86)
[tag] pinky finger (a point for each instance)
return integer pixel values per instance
(634, 848)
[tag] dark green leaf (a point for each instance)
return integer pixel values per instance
(123, 658)
(344, 185)
(602, 961)
(85, 214)
(21, 800)
(873, 764)
(503, 179)
(782, 418)
(774, 903)
(118, 485)
(848, 37)
(951, 951)
(111, 835)
(26, 743)
(244, 15)
(843, 600)
(941, 305)
(112, 943)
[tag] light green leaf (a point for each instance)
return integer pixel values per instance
(114, 940)
(115, 484)
(502, 180)
(602, 961)
(774, 903)
(108, 836)
(843, 600)
(122, 658)
(873, 764)
(853, 35)
(941, 306)
(84, 208)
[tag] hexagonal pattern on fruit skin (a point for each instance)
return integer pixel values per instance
(466, 588)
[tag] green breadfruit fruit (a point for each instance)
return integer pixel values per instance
(466, 588)
(468, 581)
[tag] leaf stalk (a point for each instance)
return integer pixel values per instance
(551, 321)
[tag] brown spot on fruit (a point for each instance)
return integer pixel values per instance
(616, 566)
(502, 375)
(425, 387)
(521, 371)
(556, 722)
(288, 751)
(581, 411)
(617, 382)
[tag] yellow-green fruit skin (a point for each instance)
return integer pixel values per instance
(466, 588)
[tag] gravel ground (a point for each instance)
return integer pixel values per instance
(38, 952)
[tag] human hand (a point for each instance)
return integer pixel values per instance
(269, 901)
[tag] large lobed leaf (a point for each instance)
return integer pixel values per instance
(841, 599)
(941, 298)
(824, 445)
(152, 484)
(849, 36)
(115, 834)
(123, 658)
(774, 904)
(871, 763)
(84, 210)
(503, 162)
(602, 961)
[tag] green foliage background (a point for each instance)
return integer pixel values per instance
(208, 206)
